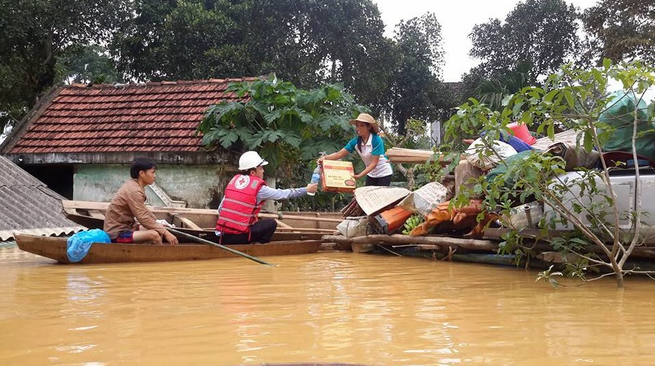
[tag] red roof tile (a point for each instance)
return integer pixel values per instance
(156, 116)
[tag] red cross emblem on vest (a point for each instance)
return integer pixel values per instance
(242, 182)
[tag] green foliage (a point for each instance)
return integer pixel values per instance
(621, 30)
(573, 99)
(492, 92)
(285, 124)
(415, 137)
(185, 40)
(428, 172)
(415, 86)
(35, 34)
(542, 32)
(549, 276)
(304, 42)
(87, 65)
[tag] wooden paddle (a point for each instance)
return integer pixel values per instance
(205, 241)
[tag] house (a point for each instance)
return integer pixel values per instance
(28, 206)
(81, 139)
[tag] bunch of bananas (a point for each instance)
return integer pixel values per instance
(412, 222)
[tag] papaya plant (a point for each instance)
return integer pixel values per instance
(283, 123)
(289, 127)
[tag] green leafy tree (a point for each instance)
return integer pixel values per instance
(604, 237)
(493, 91)
(302, 41)
(168, 40)
(622, 30)
(415, 86)
(288, 126)
(35, 34)
(541, 32)
(356, 52)
(89, 65)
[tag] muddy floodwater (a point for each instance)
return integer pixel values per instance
(316, 308)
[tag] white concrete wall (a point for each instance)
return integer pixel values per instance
(198, 185)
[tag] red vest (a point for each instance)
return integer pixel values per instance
(239, 208)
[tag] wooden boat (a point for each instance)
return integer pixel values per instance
(201, 222)
(55, 248)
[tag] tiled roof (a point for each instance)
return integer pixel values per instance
(28, 206)
(151, 117)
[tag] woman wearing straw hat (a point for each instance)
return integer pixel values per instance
(370, 148)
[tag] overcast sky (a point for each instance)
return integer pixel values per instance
(457, 18)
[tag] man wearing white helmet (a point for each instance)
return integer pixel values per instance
(244, 196)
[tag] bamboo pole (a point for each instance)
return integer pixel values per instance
(233, 251)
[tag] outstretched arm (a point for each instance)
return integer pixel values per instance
(334, 156)
(268, 193)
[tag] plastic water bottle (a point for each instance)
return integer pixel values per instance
(316, 177)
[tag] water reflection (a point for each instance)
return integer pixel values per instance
(333, 307)
(82, 290)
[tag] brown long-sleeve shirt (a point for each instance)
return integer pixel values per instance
(129, 203)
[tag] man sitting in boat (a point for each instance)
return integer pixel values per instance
(244, 196)
(129, 203)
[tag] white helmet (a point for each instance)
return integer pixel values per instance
(250, 159)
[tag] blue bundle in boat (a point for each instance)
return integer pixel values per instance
(79, 244)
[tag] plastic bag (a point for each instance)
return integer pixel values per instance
(477, 156)
(353, 226)
(623, 111)
(423, 200)
(79, 244)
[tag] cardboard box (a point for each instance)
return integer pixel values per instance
(337, 176)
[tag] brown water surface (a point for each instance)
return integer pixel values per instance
(320, 308)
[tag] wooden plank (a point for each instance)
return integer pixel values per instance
(294, 217)
(306, 230)
(102, 206)
(96, 214)
(279, 235)
(190, 224)
(282, 225)
(287, 236)
(91, 205)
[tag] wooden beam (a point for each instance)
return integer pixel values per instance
(96, 214)
(102, 206)
(397, 239)
(282, 225)
(190, 224)
(293, 217)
